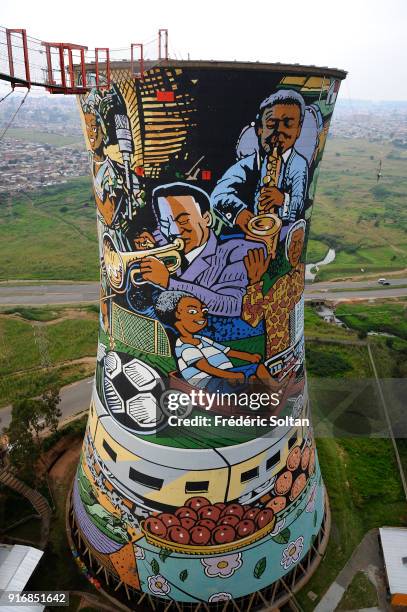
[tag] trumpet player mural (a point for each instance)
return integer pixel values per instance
(204, 177)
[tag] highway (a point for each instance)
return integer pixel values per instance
(364, 284)
(314, 293)
(54, 294)
(48, 294)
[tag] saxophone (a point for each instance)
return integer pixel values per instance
(265, 227)
(272, 172)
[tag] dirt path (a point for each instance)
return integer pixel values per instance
(79, 361)
(66, 463)
(68, 314)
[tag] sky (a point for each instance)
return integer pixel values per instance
(365, 37)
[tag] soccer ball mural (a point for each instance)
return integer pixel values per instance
(132, 391)
(204, 200)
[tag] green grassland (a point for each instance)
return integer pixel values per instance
(26, 346)
(388, 317)
(337, 361)
(316, 250)
(35, 356)
(318, 329)
(57, 140)
(365, 221)
(45, 313)
(50, 234)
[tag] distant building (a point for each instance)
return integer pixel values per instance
(394, 546)
(17, 563)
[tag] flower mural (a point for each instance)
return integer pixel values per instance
(139, 552)
(158, 585)
(219, 597)
(222, 567)
(292, 553)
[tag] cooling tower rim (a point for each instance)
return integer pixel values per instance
(299, 69)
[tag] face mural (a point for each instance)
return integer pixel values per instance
(203, 211)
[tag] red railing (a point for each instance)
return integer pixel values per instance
(162, 44)
(70, 68)
(139, 73)
(23, 34)
(98, 67)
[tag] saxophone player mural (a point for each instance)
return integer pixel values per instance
(203, 211)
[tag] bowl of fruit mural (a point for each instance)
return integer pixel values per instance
(202, 528)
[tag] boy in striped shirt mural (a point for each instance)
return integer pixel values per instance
(203, 362)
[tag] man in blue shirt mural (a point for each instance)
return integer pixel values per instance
(242, 188)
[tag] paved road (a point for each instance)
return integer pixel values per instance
(363, 284)
(74, 398)
(47, 294)
(54, 293)
(389, 292)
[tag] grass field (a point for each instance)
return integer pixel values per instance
(317, 328)
(49, 234)
(388, 317)
(316, 250)
(57, 140)
(365, 221)
(25, 345)
(34, 355)
(34, 314)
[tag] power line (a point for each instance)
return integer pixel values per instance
(7, 95)
(14, 116)
(388, 422)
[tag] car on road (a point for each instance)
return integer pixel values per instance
(383, 281)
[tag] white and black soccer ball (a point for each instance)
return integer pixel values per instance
(132, 391)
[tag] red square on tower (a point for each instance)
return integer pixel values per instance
(165, 96)
(206, 175)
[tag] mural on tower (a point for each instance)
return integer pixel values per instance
(204, 179)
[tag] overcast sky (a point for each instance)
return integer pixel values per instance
(365, 37)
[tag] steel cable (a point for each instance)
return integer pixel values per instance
(13, 117)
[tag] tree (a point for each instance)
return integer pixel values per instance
(50, 410)
(29, 417)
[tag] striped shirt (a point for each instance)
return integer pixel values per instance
(188, 355)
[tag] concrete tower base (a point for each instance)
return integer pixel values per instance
(123, 597)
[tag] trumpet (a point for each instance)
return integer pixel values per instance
(265, 227)
(119, 263)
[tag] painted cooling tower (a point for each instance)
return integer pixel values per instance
(199, 480)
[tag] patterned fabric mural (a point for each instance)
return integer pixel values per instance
(204, 179)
